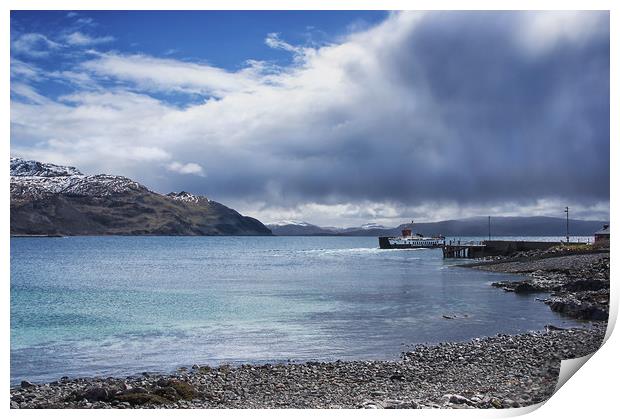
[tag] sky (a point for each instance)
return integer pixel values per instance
(338, 118)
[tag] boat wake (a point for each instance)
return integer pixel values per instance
(354, 251)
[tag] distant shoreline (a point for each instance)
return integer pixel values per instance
(19, 235)
(35, 235)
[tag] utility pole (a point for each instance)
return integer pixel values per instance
(489, 228)
(567, 235)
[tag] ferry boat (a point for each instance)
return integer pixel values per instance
(411, 241)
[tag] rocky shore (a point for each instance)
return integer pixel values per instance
(578, 284)
(496, 372)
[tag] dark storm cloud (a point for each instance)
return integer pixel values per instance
(466, 107)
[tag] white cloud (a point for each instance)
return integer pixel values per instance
(75, 78)
(392, 214)
(163, 74)
(25, 91)
(541, 31)
(147, 154)
(331, 139)
(34, 45)
(81, 39)
(81, 21)
(85, 21)
(185, 169)
(273, 41)
(20, 69)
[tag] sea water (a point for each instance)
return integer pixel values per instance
(115, 306)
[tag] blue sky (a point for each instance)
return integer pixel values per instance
(336, 118)
(225, 39)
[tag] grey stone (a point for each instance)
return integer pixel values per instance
(95, 394)
(26, 384)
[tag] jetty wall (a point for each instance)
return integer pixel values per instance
(474, 250)
(508, 247)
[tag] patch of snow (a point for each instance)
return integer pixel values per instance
(98, 185)
(35, 180)
(21, 167)
(290, 222)
(369, 226)
(187, 197)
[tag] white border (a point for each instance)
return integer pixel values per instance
(591, 392)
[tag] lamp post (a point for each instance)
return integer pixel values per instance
(489, 228)
(567, 235)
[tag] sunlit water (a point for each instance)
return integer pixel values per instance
(85, 306)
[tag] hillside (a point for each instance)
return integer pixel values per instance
(477, 226)
(49, 199)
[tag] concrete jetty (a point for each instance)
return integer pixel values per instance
(474, 250)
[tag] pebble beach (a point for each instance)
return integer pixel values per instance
(503, 371)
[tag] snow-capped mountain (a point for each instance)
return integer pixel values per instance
(52, 199)
(21, 167)
(476, 226)
(302, 228)
(298, 228)
(35, 180)
(370, 226)
(291, 222)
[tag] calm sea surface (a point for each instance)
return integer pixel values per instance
(84, 306)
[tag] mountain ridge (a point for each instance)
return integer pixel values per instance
(472, 226)
(49, 199)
